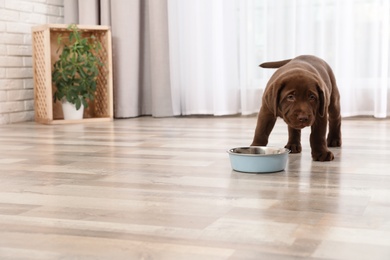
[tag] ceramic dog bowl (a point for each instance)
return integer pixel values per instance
(258, 159)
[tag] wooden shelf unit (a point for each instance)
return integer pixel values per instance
(45, 54)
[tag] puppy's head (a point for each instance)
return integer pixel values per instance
(298, 97)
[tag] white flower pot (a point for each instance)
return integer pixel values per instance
(70, 112)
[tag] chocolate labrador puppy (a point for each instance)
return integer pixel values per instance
(303, 92)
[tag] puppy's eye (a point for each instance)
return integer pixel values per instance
(312, 97)
(291, 97)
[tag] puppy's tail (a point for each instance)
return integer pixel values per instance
(274, 64)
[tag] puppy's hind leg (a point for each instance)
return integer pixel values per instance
(294, 140)
(334, 135)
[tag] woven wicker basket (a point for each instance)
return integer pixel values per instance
(44, 41)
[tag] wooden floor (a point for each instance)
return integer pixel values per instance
(150, 188)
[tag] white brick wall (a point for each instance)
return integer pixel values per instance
(16, 83)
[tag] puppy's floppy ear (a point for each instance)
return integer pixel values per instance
(321, 98)
(272, 96)
(278, 89)
(324, 97)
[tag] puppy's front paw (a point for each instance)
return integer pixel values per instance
(323, 156)
(294, 148)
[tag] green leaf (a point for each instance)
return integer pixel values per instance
(85, 103)
(78, 103)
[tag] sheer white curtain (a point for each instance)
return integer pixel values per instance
(216, 46)
(203, 39)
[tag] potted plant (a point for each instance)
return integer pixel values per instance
(75, 72)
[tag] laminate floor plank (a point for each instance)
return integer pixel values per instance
(148, 188)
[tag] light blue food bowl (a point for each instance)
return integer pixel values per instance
(258, 159)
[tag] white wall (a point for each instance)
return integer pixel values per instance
(16, 75)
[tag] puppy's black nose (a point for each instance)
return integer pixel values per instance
(303, 118)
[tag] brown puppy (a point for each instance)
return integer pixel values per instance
(303, 92)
